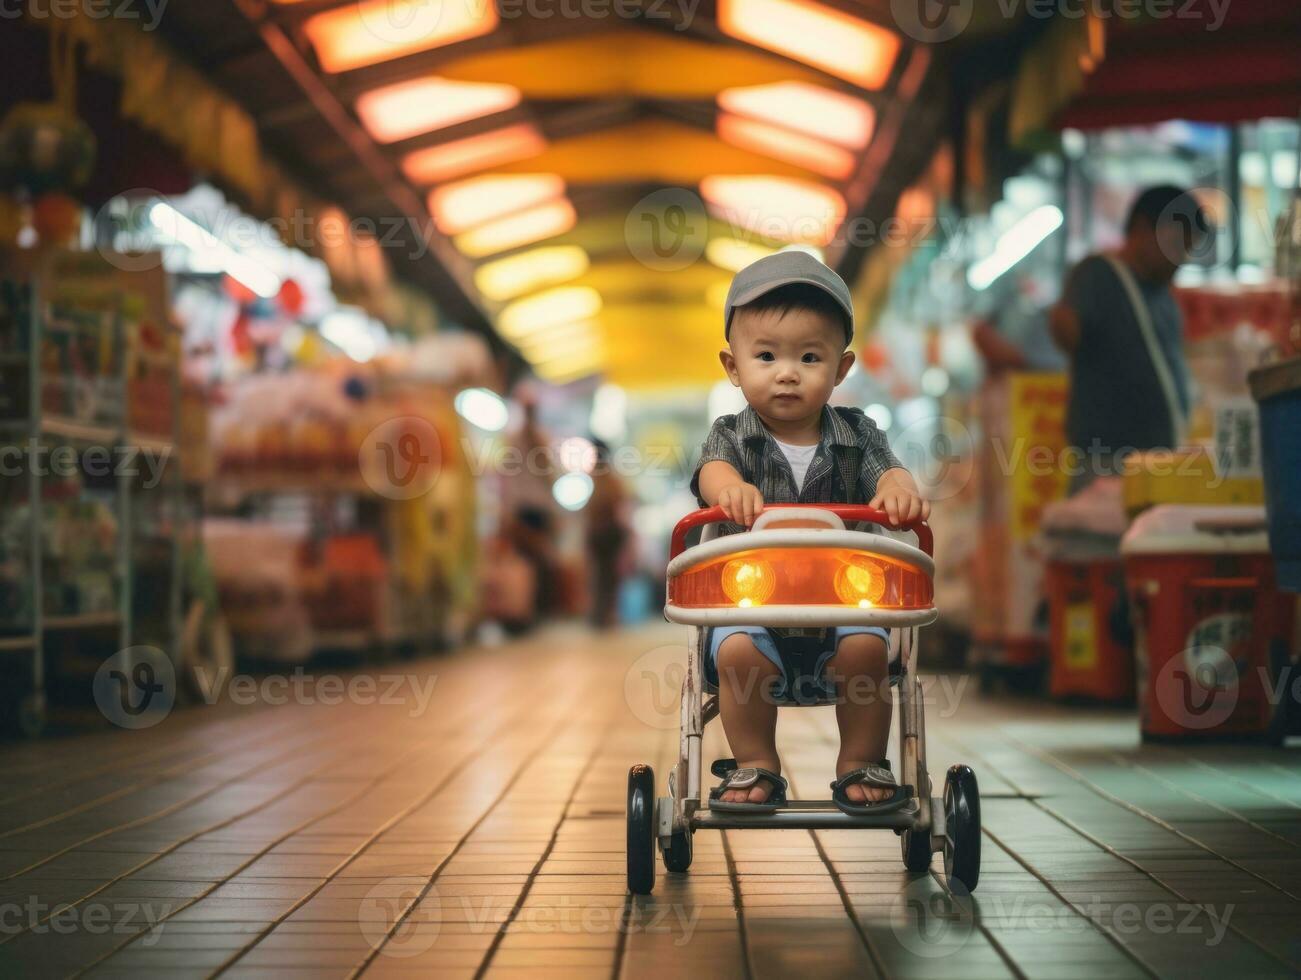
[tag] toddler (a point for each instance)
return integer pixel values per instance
(788, 321)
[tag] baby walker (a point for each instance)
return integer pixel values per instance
(799, 567)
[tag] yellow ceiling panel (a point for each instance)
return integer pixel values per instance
(630, 280)
(653, 150)
(661, 345)
(625, 63)
(607, 234)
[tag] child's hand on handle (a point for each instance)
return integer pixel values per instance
(742, 502)
(898, 496)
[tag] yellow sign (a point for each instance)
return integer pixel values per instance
(1081, 640)
(1038, 455)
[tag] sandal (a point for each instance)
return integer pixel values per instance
(744, 779)
(879, 776)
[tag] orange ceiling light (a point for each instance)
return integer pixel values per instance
(838, 43)
(524, 228)
(783, 144)
(810, 109)
(776, 207)
(516, 275)
(459, 157)
(372, 31)
(460, 206)
(549, 309)
(397, 112)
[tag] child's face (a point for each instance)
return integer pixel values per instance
(786, 364)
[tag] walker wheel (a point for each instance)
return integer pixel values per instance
(677, 854)
(961, 828)
(916, 847)
(641, 830)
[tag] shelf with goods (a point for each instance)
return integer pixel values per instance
(76, 423)
(346, 559)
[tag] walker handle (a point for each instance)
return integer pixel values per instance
(848, 512)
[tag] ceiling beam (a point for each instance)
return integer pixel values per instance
(442, 266)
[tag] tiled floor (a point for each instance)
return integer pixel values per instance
(476, 829)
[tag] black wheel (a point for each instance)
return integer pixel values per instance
(916, 847)
(641, 830)
(677, 856)
(961, 828)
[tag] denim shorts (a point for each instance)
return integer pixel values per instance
(767, 645)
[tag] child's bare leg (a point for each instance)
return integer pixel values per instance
(862, 708)
(748, 711)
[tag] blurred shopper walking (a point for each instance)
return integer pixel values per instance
(1123, 332)
(607, 534)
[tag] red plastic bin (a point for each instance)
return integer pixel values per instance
(1213, 630)
(1086, 658)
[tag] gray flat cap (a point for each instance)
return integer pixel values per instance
(781, 269)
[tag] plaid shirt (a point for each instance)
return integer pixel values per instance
(851, 456)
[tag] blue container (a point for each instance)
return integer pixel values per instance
(1277, 389)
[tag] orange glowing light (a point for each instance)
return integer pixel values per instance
(523, 228)
(459, 157)
(396, 112)
(860, 582)
(838, 43)
(809, 109)
(776, 207)
(748, 583)
(803, 577)
(360, 34)
(783, 144)
(463, 205)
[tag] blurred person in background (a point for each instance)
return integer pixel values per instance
(530, 520)
(607, 535)
(1119, 324)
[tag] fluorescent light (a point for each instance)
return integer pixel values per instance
(397, 112)
(781, 143)
(935, 381)
(810, 109)
(350, 329)
(573, 490)
(836, 42)
(776, 207)
(457, 158)
(562, 340)
(577, 455)
(733, 254)
(881, 415)
(457, 207)
(1014, 245)
(552, 307)
(482, 408)
(609, 419)
(524, 228)
(372, 31)
(806, 248)
(208, 248)
(516, 275)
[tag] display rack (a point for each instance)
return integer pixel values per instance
(98, 414)
(318, 525)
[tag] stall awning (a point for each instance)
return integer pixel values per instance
(1218, 63)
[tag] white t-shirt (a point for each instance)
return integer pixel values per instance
(799, 457)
